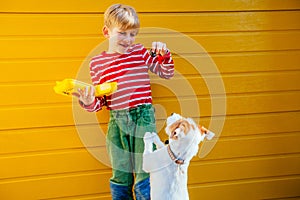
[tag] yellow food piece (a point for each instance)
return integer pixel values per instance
(69, 86)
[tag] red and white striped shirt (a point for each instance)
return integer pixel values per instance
(130, 71)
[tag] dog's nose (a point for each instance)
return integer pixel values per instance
(172, 114)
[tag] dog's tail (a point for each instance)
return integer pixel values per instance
(205, 134)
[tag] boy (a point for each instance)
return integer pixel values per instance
(131, 111)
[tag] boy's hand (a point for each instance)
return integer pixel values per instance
(86, 95)
(159, 48)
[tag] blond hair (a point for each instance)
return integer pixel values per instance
(121, 16)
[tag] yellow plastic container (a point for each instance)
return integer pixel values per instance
(69, 86)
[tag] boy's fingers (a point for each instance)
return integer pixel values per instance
(92, 91)
(159, 47)
(81, 92)
(164, 47)
(75, 94)
(154, 46)
(86, 91)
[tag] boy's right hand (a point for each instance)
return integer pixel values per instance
(86, 95)
(159, 48)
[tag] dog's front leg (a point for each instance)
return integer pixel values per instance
(148, 142)
(156, 140)
(149, 139)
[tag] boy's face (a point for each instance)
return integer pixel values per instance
(119, 40)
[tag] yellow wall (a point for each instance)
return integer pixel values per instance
(255, 44)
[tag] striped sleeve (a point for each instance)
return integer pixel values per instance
(163, 66)
(99, 101)
(94, 107)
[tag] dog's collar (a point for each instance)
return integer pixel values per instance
(173, 157)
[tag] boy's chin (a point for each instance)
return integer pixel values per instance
(122, 52)
(123, 49)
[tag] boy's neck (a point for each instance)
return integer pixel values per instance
(111, 52)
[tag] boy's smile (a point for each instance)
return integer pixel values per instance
(119, 40)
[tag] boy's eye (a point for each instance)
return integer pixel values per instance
(122, 33)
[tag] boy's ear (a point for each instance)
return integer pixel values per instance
(105, 31)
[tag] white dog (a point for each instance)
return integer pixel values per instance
(168, 164)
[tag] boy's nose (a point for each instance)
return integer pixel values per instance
(127, 38)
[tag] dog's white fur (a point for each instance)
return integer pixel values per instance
(168, 180)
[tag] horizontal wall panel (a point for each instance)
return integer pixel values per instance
(260, 124)
(54, 186)
(44, 139)
(238, 62)
(53, 70)
(156, 6)
(254, 146)
(246, 83)
(58, 69)
(97, 196)
(265, 188)
(74, 138)
(59, 138)
(87, 197)
(91, 24)
(226, 170)
(236, 105)
(42, 93)
(31, 117)
(61, 47)
(48, 116)
(36, 163)
(22, 117)
(269, 188)
(80, 184)
(231, 21)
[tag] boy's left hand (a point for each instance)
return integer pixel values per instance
(159, 48)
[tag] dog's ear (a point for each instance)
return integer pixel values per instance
(186, 125)
(192, 126)
(202, 129)
(175, 125)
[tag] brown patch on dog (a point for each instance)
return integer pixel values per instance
(183, 125)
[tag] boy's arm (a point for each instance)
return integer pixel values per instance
(97, 105)
(160, 65)
(89, 96)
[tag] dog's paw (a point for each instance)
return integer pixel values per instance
(148, 137)
(156, 140)
(153, 138)
(148, 141)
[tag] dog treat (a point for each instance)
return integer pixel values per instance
(69, 86)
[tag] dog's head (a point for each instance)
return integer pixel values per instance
(179, 127)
